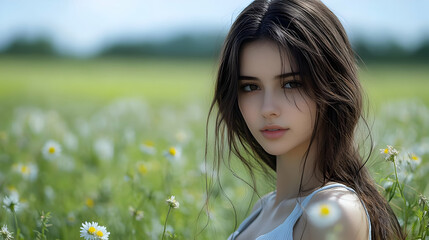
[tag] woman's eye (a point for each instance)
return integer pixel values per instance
(249, 87)
(290, 85)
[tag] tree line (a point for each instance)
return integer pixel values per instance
(208, 46)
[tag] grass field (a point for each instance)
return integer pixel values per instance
(130, 134)
(51, 81)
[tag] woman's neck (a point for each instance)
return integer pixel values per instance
(289, 172)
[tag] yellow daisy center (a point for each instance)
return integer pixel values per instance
(414, 157)
(25, 169)
(324, 210)
(51, 150)
(91, 230)
(99, 233)
(142, 169)
(148, 143)
(172, 151)
(386, 151)
(89, 202)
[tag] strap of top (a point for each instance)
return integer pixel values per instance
(249, 219)
(245, 223)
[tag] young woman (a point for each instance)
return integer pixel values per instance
(289, 100)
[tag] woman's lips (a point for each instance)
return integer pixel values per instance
(273, 133)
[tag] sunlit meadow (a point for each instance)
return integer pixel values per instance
(111, 148)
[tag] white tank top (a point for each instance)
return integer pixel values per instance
(285, 230)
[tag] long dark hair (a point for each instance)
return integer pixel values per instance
(319, 46)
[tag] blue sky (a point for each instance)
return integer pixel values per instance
(83, 27)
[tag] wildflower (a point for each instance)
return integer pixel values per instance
(71, 218)
(136, 214)
(148, 148)
(414, 160)
(89, 202)
(28, 171)
(11, 202)
(141, 168)
(51, 150)
(389, 153)
(102, 233)
(88, 230)
(12, 190)
(104, 149)
(4, 232)
(323, 214)
(172, 202)
(173, 153)
(92, 231)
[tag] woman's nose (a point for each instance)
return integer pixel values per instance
(270, 108)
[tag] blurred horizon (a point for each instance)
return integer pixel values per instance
(91, 28)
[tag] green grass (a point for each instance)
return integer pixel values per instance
(58, 81)
(387, 82)
(67, 84)
(51, 81)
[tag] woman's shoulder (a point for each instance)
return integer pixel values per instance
(336, 210)
(262, 201)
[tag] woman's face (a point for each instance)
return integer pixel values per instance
(277, 112)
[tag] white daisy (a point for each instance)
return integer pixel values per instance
(323, 214)
(51, 150)
(148, 148)
(71, 218)
(92, 231)
(4, 232)
(389, 153)
(102, 233)
(136, 214)
(11, 202)
(172, 202)
(173, 153)
(28, 171)
(88, 230)
(141, 168)
(104, 149)
(414, 160)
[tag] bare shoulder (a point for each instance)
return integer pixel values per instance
(334, 213)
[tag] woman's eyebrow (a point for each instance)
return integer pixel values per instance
(247, 78)
(285, 75)
(281, 76)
